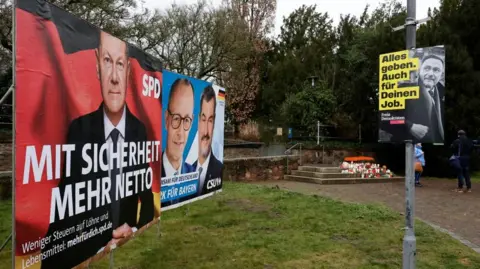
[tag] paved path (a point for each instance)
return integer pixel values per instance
(436, 203)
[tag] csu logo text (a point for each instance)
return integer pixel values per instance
(214, 183)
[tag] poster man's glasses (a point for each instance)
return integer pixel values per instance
(177, 120)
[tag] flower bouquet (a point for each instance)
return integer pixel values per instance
(366, 170)
(363, 159)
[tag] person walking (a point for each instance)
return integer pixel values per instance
(419, 163)
(462, 148)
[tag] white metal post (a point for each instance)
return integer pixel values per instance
(409, 240)
(318, 132)
(13, 90)
(111, 259)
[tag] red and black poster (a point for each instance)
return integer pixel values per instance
(88, 132)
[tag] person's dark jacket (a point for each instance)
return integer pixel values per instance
(462, 147)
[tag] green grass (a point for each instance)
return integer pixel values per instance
(256, 227)
(475, 177)
(5, 230)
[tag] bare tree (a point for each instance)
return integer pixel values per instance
(223, 44)
(242, 79)
(196, 40)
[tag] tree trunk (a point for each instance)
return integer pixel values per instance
(236, 130)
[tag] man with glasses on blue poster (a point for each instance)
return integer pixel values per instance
(178, 122)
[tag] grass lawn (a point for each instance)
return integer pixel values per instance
(5, 230)
(250, 226)
(475, 177)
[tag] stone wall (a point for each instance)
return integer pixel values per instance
(310, 156)
(235, 169)
(5, 157)
(229, 153)
(259, 168)
(334, 157)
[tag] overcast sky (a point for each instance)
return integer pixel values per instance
(333, 7)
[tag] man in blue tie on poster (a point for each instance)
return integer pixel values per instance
(178, 122)
(208, 166)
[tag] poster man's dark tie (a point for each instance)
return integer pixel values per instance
(199, 181)
(432, 94)
(113, 176)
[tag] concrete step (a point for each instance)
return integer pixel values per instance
(322, 174)
(335, 181)
(332, 169)
(303, 179)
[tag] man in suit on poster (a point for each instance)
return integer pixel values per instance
(424, 116)
(111, 123)
(178, 122)
(209, 167)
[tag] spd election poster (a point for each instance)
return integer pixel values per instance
(192, 157)
(87, 139)
(411, 95)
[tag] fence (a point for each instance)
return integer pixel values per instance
(6, 117)
(325, 135)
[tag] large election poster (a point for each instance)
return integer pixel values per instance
(87, 139)
(412, 95)
(192, 139)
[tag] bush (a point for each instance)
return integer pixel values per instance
(249, 131)
(302, 110)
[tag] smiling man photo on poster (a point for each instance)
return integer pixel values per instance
(207, 165)
(425, 115)
(112, 124)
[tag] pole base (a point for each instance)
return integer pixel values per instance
(409, 251)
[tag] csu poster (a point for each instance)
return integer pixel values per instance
(411, 95)
(87, 139)
(192, 139)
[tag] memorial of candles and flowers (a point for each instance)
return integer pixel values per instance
(365, 167)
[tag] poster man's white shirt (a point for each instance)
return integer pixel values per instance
(169, 170)
(121, 127)
(204, 167)
(121, 138)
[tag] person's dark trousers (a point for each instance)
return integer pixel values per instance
(464, 172)
(417, 177)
